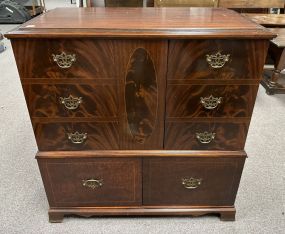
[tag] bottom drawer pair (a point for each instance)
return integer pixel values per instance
(151, 181)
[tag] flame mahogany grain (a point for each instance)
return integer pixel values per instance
(34, 58)
(141, 73)
(97, 100)
(188, 59)
(185, 100)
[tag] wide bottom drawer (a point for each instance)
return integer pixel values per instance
(191, 181)
(92, 181)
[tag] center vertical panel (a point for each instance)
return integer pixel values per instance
(142, 70)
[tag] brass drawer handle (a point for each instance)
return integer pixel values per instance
(191, 183)
(211, 102)
(217, 60)
(205, 137)
(71, 103)
(77, 138)
(64, 60)
(92, 183)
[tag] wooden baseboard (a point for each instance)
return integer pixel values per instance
(56, 215)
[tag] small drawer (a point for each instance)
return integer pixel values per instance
(216, 59)
(46, 100)
(210, 100)
(205, 135)
(92, 182)
(191, 181)
(64, 58)
(76, 136)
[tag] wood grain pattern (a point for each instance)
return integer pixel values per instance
(141, 95)
(144, 22)
(124, 62)
(185, 3)
(101, 101)
(54, 136)
(120, 3)
(182, 135)
(162, 181)
(141, 153)
(121, 180)
(251, 3)
(280, 40)
(34, 58)
(268, 20)
(43, 100)
(188, 59)
(153, 100)
(185, 101)
(124, 3)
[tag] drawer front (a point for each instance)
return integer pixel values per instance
(216, 59)
(92, 182)
(76, 136)
(46, 100)
(205, 135)
(191, 181)
(210, 100)
(64, 58)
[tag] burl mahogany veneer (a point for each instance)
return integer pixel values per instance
(140, 111)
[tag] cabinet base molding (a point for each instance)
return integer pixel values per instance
(56, 215)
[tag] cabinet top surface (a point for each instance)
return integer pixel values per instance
(141, 22)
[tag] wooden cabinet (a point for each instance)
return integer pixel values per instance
(144, 113)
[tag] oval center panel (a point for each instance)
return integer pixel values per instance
(141, 95)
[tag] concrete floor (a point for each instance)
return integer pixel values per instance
(260, 201)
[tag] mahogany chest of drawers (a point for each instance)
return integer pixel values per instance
(140, 111)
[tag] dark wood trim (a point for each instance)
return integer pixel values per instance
(271, 90)
(253, 81)
(74, 120)
(209, 120)
(167, 33)
(273, 80)
(56, 215)
(90, 80)
(137, 153)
